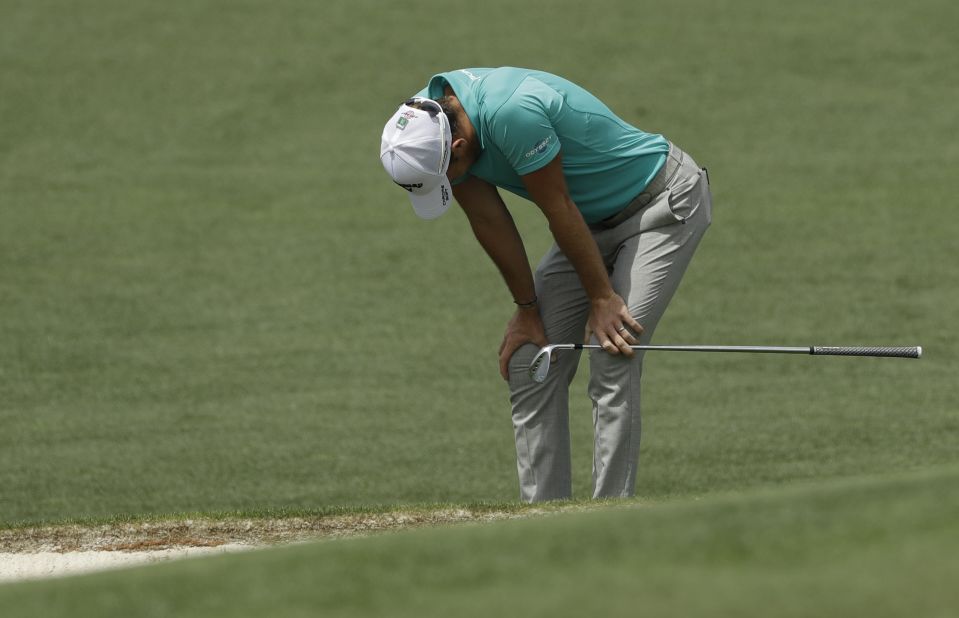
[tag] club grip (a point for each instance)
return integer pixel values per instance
(913, 352)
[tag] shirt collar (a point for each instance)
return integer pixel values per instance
(463, 84)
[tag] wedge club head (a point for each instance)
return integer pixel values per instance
(539, 368)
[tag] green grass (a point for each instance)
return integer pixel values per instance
(881, 546)
(212, 300)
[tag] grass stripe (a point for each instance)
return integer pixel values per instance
(869, 546)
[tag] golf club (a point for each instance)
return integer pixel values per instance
(540, 365)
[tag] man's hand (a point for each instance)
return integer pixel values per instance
(524, 327)
(614, 327)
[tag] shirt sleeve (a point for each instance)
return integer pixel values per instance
(522, 128)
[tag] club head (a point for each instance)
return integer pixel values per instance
(540, 365)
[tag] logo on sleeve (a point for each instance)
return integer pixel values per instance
(539, 148)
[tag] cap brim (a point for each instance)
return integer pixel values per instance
(434, 203)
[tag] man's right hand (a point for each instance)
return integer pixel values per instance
(524, 327)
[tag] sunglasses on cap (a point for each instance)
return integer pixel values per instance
(427, 105)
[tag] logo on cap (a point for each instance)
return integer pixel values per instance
(410, 188)
(404, 119)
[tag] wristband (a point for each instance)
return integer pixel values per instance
(528, 305)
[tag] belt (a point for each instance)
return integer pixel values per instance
(674, 160)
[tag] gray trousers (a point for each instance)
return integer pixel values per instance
(646, 255)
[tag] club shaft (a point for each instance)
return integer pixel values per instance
(706, 348)
(889, 352)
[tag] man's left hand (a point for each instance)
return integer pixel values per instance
(614, 327)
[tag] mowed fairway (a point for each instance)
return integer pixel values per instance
(212, 298)
(849, 548)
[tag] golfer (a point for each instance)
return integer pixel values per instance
(626, 209)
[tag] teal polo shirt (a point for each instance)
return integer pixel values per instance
(524, 118)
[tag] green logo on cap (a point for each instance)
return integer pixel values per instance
(402, 122)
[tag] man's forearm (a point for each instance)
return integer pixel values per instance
(503, 244)
(547, 188)
(573, 237)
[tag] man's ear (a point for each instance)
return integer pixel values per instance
(459, 146)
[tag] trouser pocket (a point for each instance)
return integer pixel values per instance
(675, 204)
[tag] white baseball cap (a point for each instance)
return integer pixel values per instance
(415, 150)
